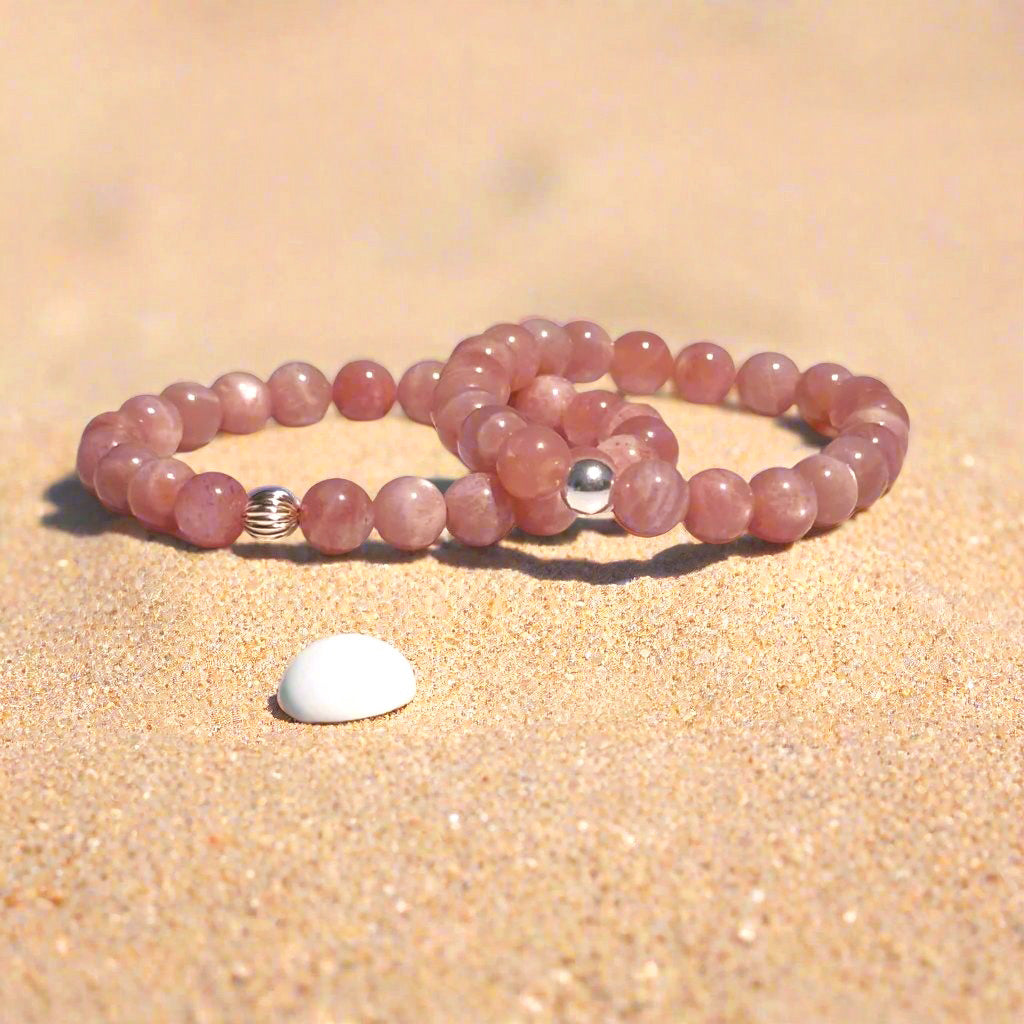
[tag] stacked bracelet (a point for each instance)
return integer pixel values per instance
(540, 451)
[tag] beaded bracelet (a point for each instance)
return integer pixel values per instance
(539, 451)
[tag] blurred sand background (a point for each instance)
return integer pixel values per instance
(642, 780)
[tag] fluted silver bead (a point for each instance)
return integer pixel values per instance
(272, 512)
(588, 488)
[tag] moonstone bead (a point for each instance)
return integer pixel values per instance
(591, 354)
(153, 491)
(336, 516)
(885, 441)
(480, 510)
(533, 462)
(210, 510)
(364, 390)
(834, 485)
(555, 345)
(409, 513)
(703, 373)
(483, 345)
(894, 422)
(545, 400)
(649, 498)
(721, 504)
(585, 414)
(767, 382)
(481, 373)
(655, 433)
(200, 412)
(867, 463)
(624, 450)
(618, 414)
(158, 422)
(101, 434)
(115, 471)
(816, 392)
(785, 505)
(449, 419)
(857, 393)
(299, 394)
(545, 516)
(641, 363)
(524, 348)
(484, 432)
(416, 389)
(244, 401)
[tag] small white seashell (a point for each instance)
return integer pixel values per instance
(345, 677)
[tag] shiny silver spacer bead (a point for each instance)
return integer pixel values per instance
(272, 512)
(588, 488)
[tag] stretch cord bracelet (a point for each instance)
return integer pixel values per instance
(539, 451)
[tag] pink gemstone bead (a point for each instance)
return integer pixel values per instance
(894, 422)
(115, 471)
(857, 393)
(618, 415)
(533, 462)
(448, 420)
(885, 441)
(721, 504)
(479, 373)
(625, 450)
(545, 516)
(244, 401)
(336, 516)
(649, 498)
(157, 421)
(867, 463)
(299, 394)
(767, 383)
(703, 373)
(641, 363)
(585, 414)
(153, 491)
(834, 485)
(416, 389)
(655, 433)
(554, 343)
(409, 513)
(364, 390)
(785, 506)
(524, 348)
(544, 400)
(210, 510)
(483, 433)
(591, 355)
(816, 392)
(200, 411)
(101, 434)
(482, 345)
(480, 510)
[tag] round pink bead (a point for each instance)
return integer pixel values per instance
(533, 462)
(785, 506)
(721, 504)
(885, 441)
(544, 400)
(703, 373)
(894, 422)
(655, 433)
(618, 414)
(210, 510)
(364, 390)
(856, 393)
(816, 392)
(336, 516)
(157, 421)
(448, 420)
(480, 373)
(867, 463)
(625, 450)
(153, 491)
(244, 401)
(649, 498)
(115, 471)
(585, 414)
(545, 516)
(200, 411)
(554, 343)
(409, 513)
(641, 363)
(524, 348)
(416, 389)
(299, 394)
(483, 433)
(835, 488)
(101, 434)
(767, 383)
(480, 510)
(591, 355)
(483, 345)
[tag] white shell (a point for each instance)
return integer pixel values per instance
(345, 677)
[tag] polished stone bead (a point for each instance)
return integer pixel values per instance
(867, 463)
(210, 510)
(524, 348)
(625, 450)
(835, 488)
(555, 345)
(545, 516)
(336, 516)
(482, 434)
(101, 434)
(483, 345)
(115, 472)
(416, 389)
(299, 394)
(153, 491)
(409, 513)
(785, 505)
(649, 498)
(885, 440)
(857, 393)
(244, 401)
(618, 414)
(480, 510)
(766, 383)
(641, 363)
(200, 412)
(893, 421)
(655, 433)
(483, 374)
(533, 462)
(585, 415)
(816, 392)
(721, 504)
(364, 390)
(544, 401)
(157, 421)
(591, 355)
(448, 420)
(703, 373)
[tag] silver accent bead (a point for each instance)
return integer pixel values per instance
(272, 512)
(588, 488)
